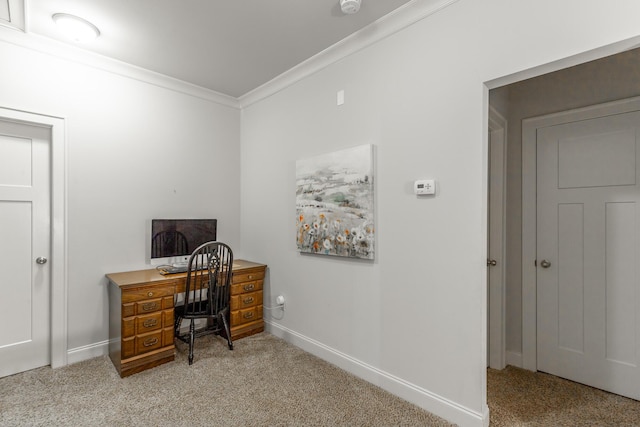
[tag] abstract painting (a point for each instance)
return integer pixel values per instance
(334, 203)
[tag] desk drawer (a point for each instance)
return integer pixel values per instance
(248, 276)
(239, 317)
(146, 323)
(149, 322)
(246, 300)
(147, 306)
(241, 288)
(146, 293)
(148, 342)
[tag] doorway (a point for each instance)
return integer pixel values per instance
(24, 233)
(586, 198)
(54, 250)
(603, 80)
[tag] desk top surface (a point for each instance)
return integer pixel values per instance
(152, 275)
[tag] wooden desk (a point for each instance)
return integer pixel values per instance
(141, 313)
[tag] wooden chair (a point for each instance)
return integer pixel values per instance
(207, 293)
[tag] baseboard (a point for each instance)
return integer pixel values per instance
(485, 416)
(87, 352)
(514, 359)
(419, 396)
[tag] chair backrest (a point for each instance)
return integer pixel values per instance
(169, 243)
(209, 275)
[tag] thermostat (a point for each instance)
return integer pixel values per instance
(424, 186)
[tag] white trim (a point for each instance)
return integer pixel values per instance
(417, 395)
(66, 52)
(514, 359)
(497, 297)
(58, 255)
(529, 204)
(87, 352)
(485, 416)
(562, 63)
(399, 19)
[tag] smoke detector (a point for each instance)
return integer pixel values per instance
(350, 6)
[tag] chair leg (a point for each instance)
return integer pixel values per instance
(192, 335)
(226, 330)
(176, 325)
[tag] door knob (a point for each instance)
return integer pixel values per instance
(492, 263)
(545, 264)
(41, 260)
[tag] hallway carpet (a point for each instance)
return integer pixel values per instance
(518, 398)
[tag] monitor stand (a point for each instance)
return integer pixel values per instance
(180, 264)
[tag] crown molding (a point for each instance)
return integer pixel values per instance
(69, 53)
(399, 19)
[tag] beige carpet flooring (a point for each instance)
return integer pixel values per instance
(517, 397)
(264, 381)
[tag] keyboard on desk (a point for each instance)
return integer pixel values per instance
(173, 269)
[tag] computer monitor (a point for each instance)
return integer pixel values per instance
(173, 240)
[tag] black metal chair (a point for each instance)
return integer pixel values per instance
(207, 293)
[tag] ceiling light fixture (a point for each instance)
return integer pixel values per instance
(350, 6)
(75, 27)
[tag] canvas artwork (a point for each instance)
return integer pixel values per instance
(334, 203)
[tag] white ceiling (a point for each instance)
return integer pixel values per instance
(229, 46)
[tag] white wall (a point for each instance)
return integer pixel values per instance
(135, 151)
(596, 82)
(414, 320)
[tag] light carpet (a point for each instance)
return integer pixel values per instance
(521, 398)
(264, 381)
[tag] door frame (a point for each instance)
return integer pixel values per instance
(58, 255)
(529, 206)
(497, 297)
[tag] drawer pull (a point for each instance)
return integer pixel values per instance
(149, 342)
(248, 315)
(250, 277)
(150, 294)
(149, 323)
(249, 287)
(248, 300)
(149, 306)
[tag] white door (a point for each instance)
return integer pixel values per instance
(588, 252)
(24, 237)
